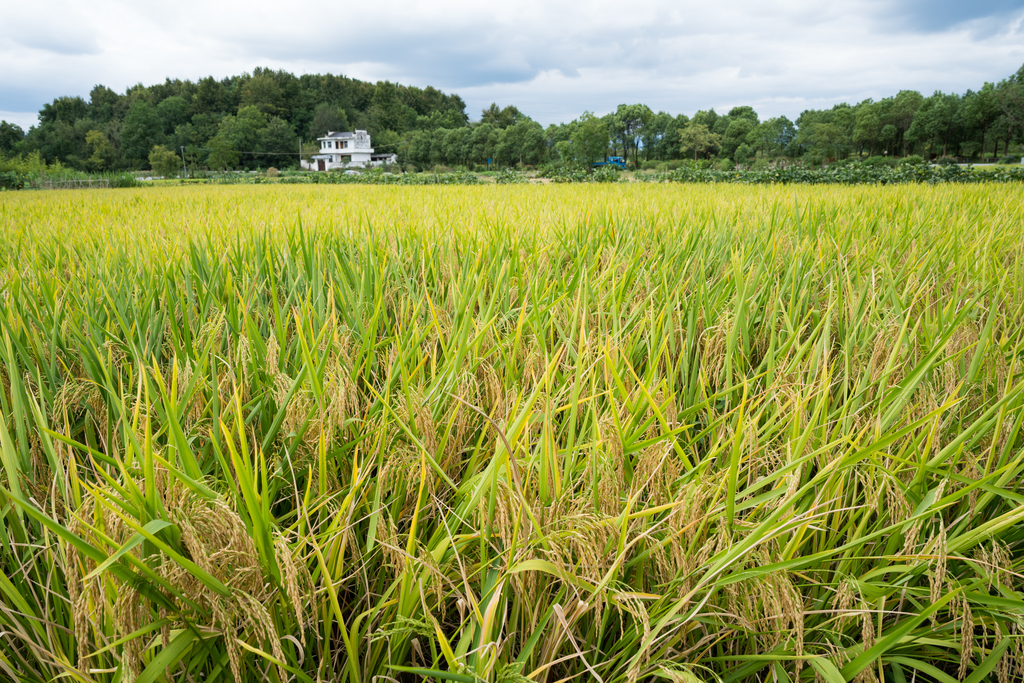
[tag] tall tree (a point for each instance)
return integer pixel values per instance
(699, 138)
(905, 105)
(104, 154)
(142, 129)
(981, 110)
(501, 118)
(11, 136)
(327, 118)
(590, 142)
(1011, 104)
(868, 126)
(627, 124)
(387, 111)
(102, 104)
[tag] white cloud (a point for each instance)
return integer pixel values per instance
(551, 59)
(20, 118)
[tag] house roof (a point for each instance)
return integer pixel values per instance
(334, 135)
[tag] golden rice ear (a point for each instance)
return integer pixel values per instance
(296, 582)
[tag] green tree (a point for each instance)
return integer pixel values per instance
(654, 136)
(699, 138)
(934, 120)
(222, 155)
(904, 107)
(828, 138)
(868, 126)
(387, 111)
(173, 112)
(242, 135)
(736, 135)
(771, 137)
(386, 141)
(627, 125)
(211, 97)
(65, 109)
(142, 129)
(590, 142)
(744, 112)
(708, 119)
(888, 135)
(327, 118)
(456, 144)
(275, 139)
(484, 141)
(1010, 95)
(104, 154)
(164, 162)
(263, 92)
(102, 104)
(11, 136)
(981, 110)
(501, 118)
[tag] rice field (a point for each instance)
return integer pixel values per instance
(506, 434)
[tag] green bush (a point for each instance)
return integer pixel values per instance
(123, 180)
(607, 174)
(912, 160)
(507, 176)
(840, 174)
(12, 180)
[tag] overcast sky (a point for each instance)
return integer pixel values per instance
(551, 59)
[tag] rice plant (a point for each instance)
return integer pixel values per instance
(505, 433)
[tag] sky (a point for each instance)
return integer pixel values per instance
(551, 59)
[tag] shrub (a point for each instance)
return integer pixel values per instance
(946, 161)
(507, 176)
(123, 180)
(607, 174)
(12, 180)
(912, 160)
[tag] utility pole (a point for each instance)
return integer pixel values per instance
(184, 168)
(300, 154)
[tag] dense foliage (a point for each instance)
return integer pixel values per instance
(640, 432)
(252, 120)
(12, 180)
(257, 120)
(840, 174)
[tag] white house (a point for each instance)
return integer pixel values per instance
(346, 150)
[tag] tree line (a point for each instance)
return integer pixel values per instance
(258, 120)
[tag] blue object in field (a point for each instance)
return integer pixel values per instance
(612, 161)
